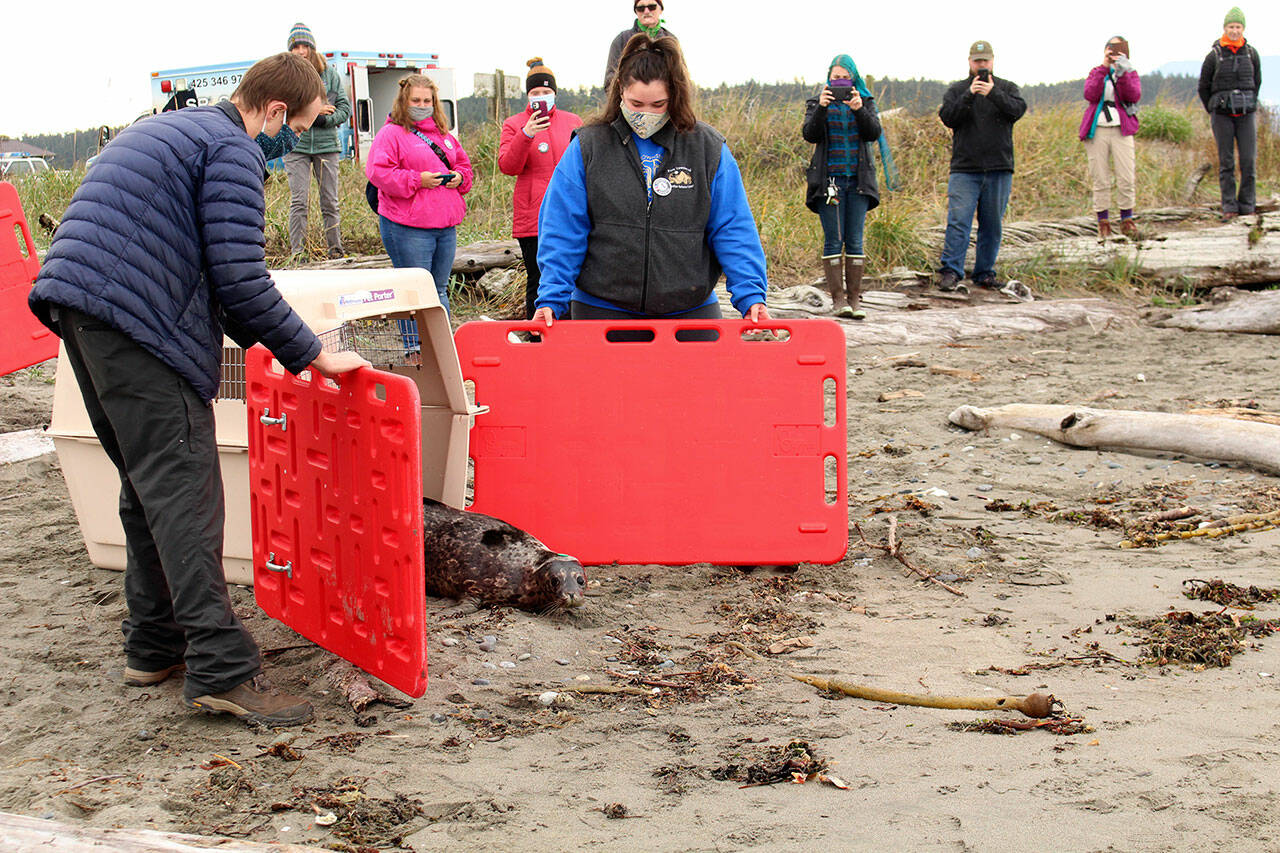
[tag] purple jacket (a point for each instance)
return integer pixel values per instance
(1128, 91)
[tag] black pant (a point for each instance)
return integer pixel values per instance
(160, 435)
(583, 311)
(1232, 132)
(529, 251)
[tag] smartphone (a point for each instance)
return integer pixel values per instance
(841, 91)
(447, 177)
(984, 74)
(540, 108)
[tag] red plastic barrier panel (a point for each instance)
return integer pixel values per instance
(25, 340)
(667, 450)
(335, 485)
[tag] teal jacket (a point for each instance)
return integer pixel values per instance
(322, 138)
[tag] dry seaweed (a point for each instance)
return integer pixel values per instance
(1063, 726)
(1228, 594)
(1197, 639)
(362, 819)
(795, 762)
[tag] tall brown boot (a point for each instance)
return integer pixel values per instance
(835, 284)
(853, 285)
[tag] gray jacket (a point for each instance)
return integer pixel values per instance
(615, 50)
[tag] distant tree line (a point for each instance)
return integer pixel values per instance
(916, 96)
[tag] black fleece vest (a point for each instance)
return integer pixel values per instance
(649, 257)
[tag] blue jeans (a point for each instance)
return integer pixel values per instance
(988, 194)
(431, 249)
(842, 223)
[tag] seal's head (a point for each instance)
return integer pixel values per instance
(561, 581)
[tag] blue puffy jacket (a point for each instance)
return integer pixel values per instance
(163, 241)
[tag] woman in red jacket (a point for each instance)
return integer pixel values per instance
(532, 143)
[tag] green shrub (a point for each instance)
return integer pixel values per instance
(1166, 124)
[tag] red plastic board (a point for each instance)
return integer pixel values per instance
(666, 451)
(335, 485)
(25, 340)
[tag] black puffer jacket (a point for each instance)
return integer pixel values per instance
(982, 126)
(815, 130)
(1225, 71)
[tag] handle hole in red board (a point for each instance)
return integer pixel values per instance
(629, 336)
(831, 482)
(380, 391)
(697, 335)
(768, 336)
(524, 337)
(22, 240)
(828, 402)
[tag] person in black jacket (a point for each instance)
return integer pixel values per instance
(160, 248)
(980, 110)
(841, 181)
(1230, 79)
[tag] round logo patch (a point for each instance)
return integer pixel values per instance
(543, 148)
(448, 143)
(662, 186)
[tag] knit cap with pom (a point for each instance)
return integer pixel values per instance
(301, 34)
(539, 75)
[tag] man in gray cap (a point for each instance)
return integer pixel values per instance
(980, 110)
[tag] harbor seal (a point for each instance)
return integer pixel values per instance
(472, 555)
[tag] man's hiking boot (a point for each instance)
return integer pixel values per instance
(987, 281)
(949, 282)
(255, 701)
(146, 677)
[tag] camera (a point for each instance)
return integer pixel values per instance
(841, 90)
(984, 74)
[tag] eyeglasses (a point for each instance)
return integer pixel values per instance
(646, 7)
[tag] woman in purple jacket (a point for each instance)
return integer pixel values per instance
(1112, 91)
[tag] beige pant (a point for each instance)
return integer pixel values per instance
(1110, 151)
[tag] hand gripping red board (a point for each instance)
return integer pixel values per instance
(25, 340)
(335, 491)
(665, 451)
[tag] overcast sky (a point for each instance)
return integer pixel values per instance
(78, 65)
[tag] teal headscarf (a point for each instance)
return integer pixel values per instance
(846, 62)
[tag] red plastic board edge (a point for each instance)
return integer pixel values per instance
(25, 341)
(335, 491)
(664, 451)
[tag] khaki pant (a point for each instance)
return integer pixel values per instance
(1110, 151)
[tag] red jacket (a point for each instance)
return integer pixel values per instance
(532, 161)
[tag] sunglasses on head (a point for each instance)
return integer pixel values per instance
(646, 7)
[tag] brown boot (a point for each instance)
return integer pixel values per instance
(255, 701)
(1129, 228)
(835, 284)
(853, 285)
(1104, 229)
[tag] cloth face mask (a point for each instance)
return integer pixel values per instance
(421, 113)
(645, 124)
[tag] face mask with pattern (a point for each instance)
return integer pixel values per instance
(645, 124)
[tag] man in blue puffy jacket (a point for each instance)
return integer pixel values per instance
(161, 249)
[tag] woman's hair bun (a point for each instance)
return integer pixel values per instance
(537, 60)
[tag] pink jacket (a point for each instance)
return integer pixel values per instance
(532, 161)
(397, 160)
(1128, 91)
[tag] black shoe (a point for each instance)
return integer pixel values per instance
(988, 281)
(336, 253)
(948, 281)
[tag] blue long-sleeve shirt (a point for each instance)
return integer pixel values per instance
(564, 226)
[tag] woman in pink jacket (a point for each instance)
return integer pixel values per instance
(532, 143)
(421, 172)
(1112, 91)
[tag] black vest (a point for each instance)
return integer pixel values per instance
(649, 257)
(1234, 89)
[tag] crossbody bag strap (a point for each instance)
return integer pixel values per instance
(436, 148)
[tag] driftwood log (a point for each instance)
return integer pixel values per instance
(472, 259)
(19, 832)
(1244, 252)
(1255, 313)
(1198, 436)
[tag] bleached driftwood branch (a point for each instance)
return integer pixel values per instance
(1255, 313)
(1202, 437)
